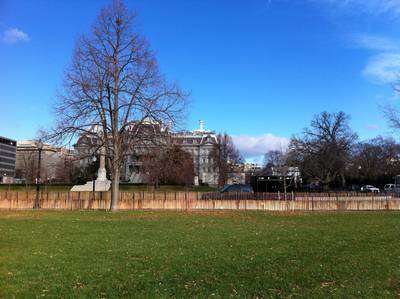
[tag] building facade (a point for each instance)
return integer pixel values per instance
(56, 163)
(200, 144)
(7, 160)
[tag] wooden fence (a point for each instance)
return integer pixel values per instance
(15, 200)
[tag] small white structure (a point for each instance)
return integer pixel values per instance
(101, 183)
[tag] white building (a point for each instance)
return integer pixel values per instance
(200, 143)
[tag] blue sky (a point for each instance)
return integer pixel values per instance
(259, 70)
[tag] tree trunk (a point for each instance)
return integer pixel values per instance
(343, 180)
(114, 189)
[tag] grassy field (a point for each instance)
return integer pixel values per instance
(205, 254)
(123, 187)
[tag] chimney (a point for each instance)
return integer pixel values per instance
(201, 122)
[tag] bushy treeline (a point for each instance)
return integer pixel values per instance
(328, 153)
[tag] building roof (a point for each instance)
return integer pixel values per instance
(8, 141)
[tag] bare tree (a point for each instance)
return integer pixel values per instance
(276, 163)
(152, 165)
(323, 150)
(169, 165)
(225, 157)
(274, 160)
(113, 85)
(26, 167)
(391, 112)
(375, 161)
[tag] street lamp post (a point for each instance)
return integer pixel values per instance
(40, 148)
(94, 159)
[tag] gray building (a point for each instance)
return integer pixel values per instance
(200, 143)
(56, 163)
(7, 160)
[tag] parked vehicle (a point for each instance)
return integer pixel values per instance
(370, 188)
(236, 188)
(313, 187)
(235, 191)
(355, 188)
(389, 188)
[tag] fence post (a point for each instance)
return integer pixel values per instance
(312, 203)
(337, 203)
(287, 202)
(176, 202)
(58, 200)
(373, 202)
(387, 203)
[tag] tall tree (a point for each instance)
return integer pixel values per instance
(169, 165)
(274, 160)
(392, 112)
(225, 157)
(323, 150)
(375, 161)
(112, 87)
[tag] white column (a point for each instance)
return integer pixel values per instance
(102, 174)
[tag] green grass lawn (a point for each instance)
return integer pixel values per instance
(201, 254)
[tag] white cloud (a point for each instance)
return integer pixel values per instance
(373, 127)
(375, 42)
(383, 67)
(254, 147)
(14, 35)
(371, 7)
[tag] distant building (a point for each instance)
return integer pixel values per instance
(238, 174)
(7, 160)
(56, 163)
(252, 167)
(250, 170)
(150, 136)
(200, 143)
(277, 179)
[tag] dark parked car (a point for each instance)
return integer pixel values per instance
(236, 188)
(235, 191)
(312, 188)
